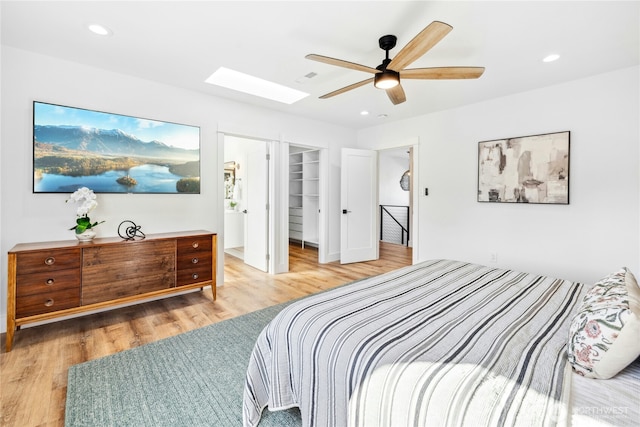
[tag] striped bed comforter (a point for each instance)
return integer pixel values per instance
(438, 343)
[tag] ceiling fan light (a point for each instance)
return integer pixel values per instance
(386, 79)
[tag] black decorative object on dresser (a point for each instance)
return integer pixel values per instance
(128, 230)
(53, 279)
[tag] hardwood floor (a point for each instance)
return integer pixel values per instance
(33, 376)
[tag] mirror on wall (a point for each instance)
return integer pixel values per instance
(229, 179)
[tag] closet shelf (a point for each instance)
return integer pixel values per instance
(304, 168)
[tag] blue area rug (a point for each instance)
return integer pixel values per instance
(192, 379)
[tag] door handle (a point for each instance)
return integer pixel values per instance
(244, 211)
(344, 211)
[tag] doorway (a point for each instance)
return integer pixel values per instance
(304, 171)
(246, 192)
(377, 201)
(395, 195)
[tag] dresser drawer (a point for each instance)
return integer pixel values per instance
(48, 260)
(47, 302)
(187, 261)
(194, 267)
(49, 281)
(195, 244)
(295, 227)
(193, 275)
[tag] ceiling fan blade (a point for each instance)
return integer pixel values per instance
(396, 95)
(341, 63)
(442, 73)
(420, 45)
(347, 88)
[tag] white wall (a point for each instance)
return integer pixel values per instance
(28, 217)
(391, 166)
(593, 235)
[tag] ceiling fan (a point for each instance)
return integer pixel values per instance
(388, 74)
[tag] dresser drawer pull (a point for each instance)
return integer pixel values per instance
(194, 260)
(195, 245)
(50, 261)
(49, 302)
(195, 275)
(50, 281)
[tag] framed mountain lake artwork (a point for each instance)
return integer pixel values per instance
(112, 153)
(527, 169)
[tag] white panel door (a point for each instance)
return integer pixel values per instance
(256, 187)
(359, 201)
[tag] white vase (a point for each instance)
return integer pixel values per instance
(86, 235)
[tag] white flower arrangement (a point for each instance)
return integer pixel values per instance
(87, 200)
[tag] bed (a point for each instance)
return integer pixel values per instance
(442, 342)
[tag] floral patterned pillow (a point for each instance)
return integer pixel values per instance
(605, 332)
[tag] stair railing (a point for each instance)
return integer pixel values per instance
(390, 220)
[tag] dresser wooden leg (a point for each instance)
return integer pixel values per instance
(8, 342)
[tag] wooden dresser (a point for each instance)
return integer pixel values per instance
(48, 280)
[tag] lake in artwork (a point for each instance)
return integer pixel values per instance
(150, 178)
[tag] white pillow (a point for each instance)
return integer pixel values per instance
(604, 336)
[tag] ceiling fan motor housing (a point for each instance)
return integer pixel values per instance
(387, 42)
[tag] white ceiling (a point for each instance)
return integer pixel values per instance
(181, 43)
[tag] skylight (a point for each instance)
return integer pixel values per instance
(254, 86)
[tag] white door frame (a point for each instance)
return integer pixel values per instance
(415, 200)
(220, 210)
(323, 203)
(279, 208)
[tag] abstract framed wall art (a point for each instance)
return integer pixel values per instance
(527, 169)
(112, 153)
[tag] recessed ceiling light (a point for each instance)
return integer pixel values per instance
(551, 58)
(364, 113)
(254, 86)
(100, 30)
